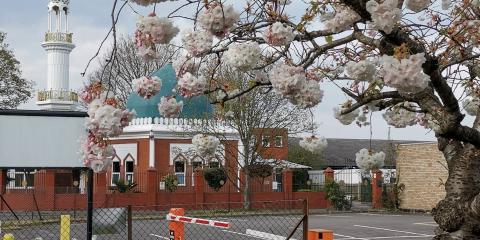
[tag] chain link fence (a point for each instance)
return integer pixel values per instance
(262, 220)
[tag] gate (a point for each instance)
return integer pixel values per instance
(366, 190)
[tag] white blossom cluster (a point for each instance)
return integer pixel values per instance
(282, 2)
(149, 2)
(343, 19)
(313, 144)
(278, 35)
(427, 121)
(417, 5)
(147, 53)
(243, 56)
(290, 82)
(104, 120)
(400, 117)
(384, 15)
(363, 70)
(155, 29)
(197, 43)
(218, 18)
(368, 160)
(405, 75)
(169, 107)
(345, 119)
(146, 87)
(471, 106)
(205, 145)
(184, 64)
(96, 156)
(446, 4)
(189, 85)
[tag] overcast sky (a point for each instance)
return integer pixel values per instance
(25, 22)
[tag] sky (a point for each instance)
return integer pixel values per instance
(25, 22)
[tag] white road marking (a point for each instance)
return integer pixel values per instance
(376, 214)
(433, 224)
(332, 215)
(231, 219)
(348, 237)
(391, 230)
(265, 235)
(243, 234)
(392, 237)
(162, 237)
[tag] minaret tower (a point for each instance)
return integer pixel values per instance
(58, 44)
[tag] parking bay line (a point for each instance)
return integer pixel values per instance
(391, 230)
(376, 214)
(432, 224)
(162, 237)
(373, 238)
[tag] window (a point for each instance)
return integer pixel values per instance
(266, 141)
(129, 169)
(21, 179)
(180, 172)
(278, 141)
(115, 171)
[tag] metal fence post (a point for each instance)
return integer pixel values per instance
(89, 204)
(129, 222)
(305, 219)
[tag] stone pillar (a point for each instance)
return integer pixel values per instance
(152, 186)
(329, 175)
(3, 181)
(44, 187)
(287, 182)
(377, 182)
(199, 188)
(99, 189)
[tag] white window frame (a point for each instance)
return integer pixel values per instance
(116, 159)
(281, 141)
(265, 137)
(129, 158)
(12, 173)
(180, 159)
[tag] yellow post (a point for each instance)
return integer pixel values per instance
(65, 227)
(8, 236)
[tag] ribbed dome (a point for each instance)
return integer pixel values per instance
(194, 107)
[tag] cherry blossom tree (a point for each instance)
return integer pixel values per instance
(414, 59)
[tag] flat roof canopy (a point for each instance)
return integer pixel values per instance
(41, 139)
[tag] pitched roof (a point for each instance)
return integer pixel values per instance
(340, 153)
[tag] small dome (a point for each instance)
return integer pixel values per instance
(194, 107)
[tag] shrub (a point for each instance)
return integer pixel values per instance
(336, 196)
(215, 177)
(171, 182)
(124, 186)
(260, 170)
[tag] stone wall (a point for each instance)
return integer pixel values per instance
(421, 167)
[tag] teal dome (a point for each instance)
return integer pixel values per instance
(194, 107)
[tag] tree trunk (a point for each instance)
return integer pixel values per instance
(246, 190)
(458, 214)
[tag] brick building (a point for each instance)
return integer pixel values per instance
(421, 167)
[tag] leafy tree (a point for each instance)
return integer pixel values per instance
(118, 77)
(14, 89)
(299, 155)
(410, 61)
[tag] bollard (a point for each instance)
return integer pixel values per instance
(320, 234)
(8, 236)
(65, 227)
(177, 229)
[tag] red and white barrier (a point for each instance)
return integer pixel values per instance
(200, 221)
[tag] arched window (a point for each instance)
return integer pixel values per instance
(129, 168)
(115, 170)
(180, 169)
